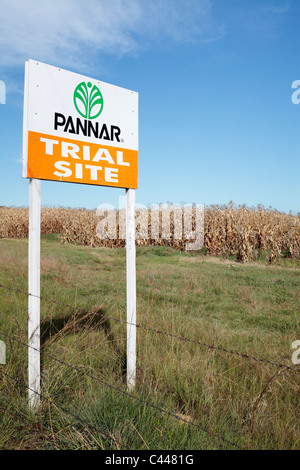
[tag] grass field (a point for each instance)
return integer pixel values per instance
(251, 308)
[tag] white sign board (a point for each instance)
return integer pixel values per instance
(78, 129)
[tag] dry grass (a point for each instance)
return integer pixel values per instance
(228, 230)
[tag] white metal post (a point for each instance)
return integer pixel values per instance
(34, 292)
(131, 288)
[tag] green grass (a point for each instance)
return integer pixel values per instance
(250, 308)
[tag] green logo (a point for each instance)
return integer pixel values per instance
(88, 100)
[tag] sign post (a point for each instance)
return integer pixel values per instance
(34, 292)
(78, 130)
(131, 288)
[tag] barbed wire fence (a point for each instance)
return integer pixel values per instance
(154, 330)
(110, 437)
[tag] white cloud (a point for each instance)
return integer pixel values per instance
(75, 31)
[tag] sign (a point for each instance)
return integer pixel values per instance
(77, 129)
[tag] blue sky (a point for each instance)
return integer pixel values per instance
(216, 119)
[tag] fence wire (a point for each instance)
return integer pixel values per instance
(119, 390)
(114, 387)
(64, 410)
(165, 333)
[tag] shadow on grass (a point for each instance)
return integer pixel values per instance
(54, 329)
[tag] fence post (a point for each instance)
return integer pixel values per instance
(34, 292)
(131, 288)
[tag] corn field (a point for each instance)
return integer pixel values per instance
(228, 230)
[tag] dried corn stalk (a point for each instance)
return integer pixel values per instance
(228, 229)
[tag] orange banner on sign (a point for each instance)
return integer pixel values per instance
(60, 159)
